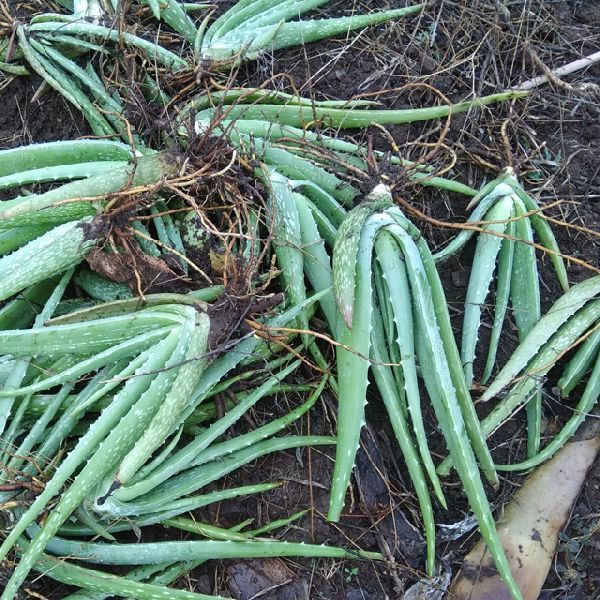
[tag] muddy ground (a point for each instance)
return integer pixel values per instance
(551, 139)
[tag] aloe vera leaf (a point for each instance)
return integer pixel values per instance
(273, 131)
(440, 306)
(122, 350)
(67, 421)
(317, 264)
(239, 13)
(38, 429)
(97, 335)
(60, 154)
(503, 283)
(545, 234)
(169, 412)
(396, 281)
(99, 288)
(382, 296)
(295, 167)
(486, 198)
(580, 363)
(14, 239)
(389, 394)
(287, 240)
(563, 308)
(525, 290)
(352, 266)
(175, 509)
(585, 405)
(22, 311)
(99, 91)
(19, 369)
(80, 46)
(139, 554)
(240, 442)
(449, 415)
(124, 309)
(327, 210)
(274, 14)
(526, 303)
(346, 250)
(168, 496)
(325, 228)
(172, 13)
(14, 69)
(193, 453)
(205, 530)
(544, 360)
(284, 34)
(108, 419)
(51, 254)
(261, 12)
(106, 457)
(482, 271)
(147, 170)
(299, 115)
(63, 84)
(153, 51)
(203, 441)
(219, 368)
(62, 570)
(58, 173)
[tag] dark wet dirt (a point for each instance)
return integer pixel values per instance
(552, 139)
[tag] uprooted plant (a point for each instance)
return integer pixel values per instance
(125, 376)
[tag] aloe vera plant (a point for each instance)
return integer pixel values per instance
(505, 245)
(250, 27)
(162, 347)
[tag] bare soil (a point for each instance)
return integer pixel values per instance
(552, 139)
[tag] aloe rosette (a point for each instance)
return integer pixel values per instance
(251, 27)
(508, 218)
(152, 364)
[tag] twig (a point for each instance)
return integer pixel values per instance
(572, 67)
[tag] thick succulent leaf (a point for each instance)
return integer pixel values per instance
(526, 302)
(583, 409)
(107, 455)
(503, 282)
(76, 27)
(541, 332)
(386, 386)
(108, 420)
(175, 463)
(545, 358)
(394, 273)
(143, 554)
(62, 153)
(545, 234)
(169, 412)
(482, 271)
(354, 351)
(489, 195)
(355, 117)
(346, 250)
(317, 264)
(581, 362)
(93, 580)
(51, 254)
